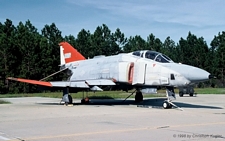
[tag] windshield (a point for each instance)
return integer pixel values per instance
(161, 59)
(151, 55)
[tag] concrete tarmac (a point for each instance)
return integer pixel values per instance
(43, 119)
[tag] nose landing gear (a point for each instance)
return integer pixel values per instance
(167, 104)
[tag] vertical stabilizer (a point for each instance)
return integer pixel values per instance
(69, 54)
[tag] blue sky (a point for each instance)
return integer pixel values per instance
(163, 18)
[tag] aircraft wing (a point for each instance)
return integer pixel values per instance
(74, 84)
(100, 82)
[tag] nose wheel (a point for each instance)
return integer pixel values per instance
(167, 105)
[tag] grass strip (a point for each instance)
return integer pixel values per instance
(110, 94)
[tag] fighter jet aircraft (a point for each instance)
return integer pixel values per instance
(143, 71)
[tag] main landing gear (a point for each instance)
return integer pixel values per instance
(67, 98)
(138, 96)
(167, 104)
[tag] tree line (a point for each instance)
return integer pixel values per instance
(26, 53)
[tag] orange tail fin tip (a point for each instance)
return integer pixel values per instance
(70, 54)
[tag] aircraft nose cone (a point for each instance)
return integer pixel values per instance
(211, 76)
(197, 74)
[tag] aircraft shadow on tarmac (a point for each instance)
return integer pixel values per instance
(153, 102)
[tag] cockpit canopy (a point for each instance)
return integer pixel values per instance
(153, 55)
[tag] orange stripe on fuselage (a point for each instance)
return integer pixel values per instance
(131, 73)
(74, 54)
(43, 83)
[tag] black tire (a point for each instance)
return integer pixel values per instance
(170, 106)
(167, 105)
(181, 94)
(191, 94)
(138, 97)
(82, 101)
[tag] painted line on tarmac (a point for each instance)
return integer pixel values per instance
(90, 133)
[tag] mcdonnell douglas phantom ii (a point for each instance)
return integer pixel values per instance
(142, 70)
